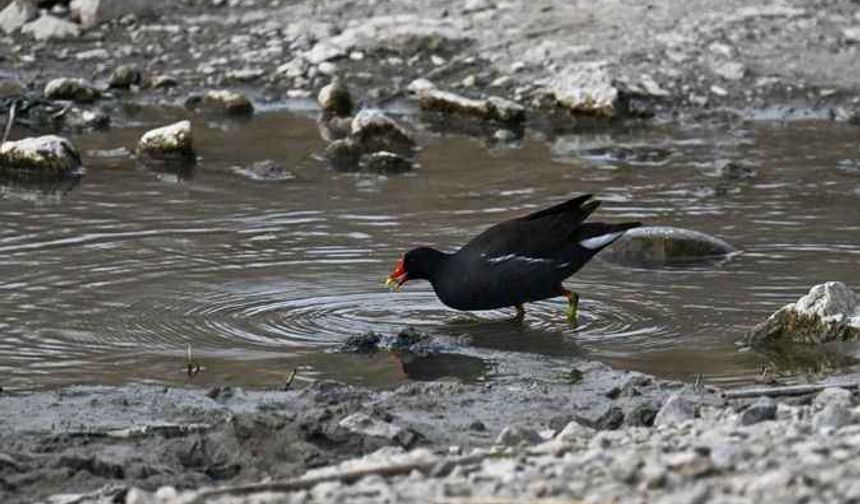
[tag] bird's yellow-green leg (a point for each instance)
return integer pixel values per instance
(521, 313)
(572, 310)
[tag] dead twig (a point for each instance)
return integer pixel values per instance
(503, 500)
(290, 378)
(792, 390)
(297, 484)
(9, 122)
(192, 367)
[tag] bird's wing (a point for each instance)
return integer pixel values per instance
(544, 234)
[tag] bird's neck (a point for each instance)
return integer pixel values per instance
(437, 265)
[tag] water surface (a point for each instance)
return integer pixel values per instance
(110, 280)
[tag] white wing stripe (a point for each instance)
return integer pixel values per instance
(599, 241)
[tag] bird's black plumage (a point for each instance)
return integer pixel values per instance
(516, 261)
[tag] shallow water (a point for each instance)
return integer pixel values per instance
(110, 280)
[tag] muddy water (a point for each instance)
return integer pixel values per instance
(110, 280)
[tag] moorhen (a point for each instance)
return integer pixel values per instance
(516, 261)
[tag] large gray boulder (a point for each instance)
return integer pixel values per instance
(48, 27)
(16, 14)
(374, 131)
(77, 90)
(48, 155)
(658, 246)
(93, 12)
(828, 312)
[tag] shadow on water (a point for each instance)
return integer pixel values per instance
(113, 281)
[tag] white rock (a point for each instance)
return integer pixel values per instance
(49, 154)
(584, 88)
(851, 34)
(828, 312)
(419, 85)
(730, 70)
(518, 435)
(16, 14)
(93, 12)
(48, 27)
(364, 424)
(168, 141)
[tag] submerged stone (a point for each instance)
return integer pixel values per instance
(658, 246)
(77, 90)
(125, 76)
(828, 312)
(45, 155)
(374, 131)
(172, 141)
(493, 108)
(343, 155)
(230, 102)
(266, 170)
(385, 163)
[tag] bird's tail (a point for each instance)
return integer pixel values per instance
(598, 235)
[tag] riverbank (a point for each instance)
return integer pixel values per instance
(605, 436)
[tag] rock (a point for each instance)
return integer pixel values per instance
(491, 109)
(675, 410)
(657, 246)
(16, 14)
(225, 102)
(834, 395)
(10, 88)
(518, 436)
(365, 425)
(385, 163)
(343, 155)
(244, 75)
(163, 81)
(642, 415)
(374, 131)
(575, 431)
(92, 12)
(828, 312)
(762, 410)
(172, 141)
(831, 418)
(48, 27)
(77, 90)
(124, 76)
(83, 119)
(584, 89)
(851, 34)
(266, 170)
(729, 70)
(49, 155)
(334, 99)
(610, 419)
(420, 85)
(408, 340)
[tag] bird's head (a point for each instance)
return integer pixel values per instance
(417, 264)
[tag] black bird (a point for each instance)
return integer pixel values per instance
(514, 262)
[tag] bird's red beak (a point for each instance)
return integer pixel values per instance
(397, 277)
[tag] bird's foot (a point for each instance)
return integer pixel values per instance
(520, 315)
(572, 310)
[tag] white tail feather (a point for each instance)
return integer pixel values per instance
(596, 242)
